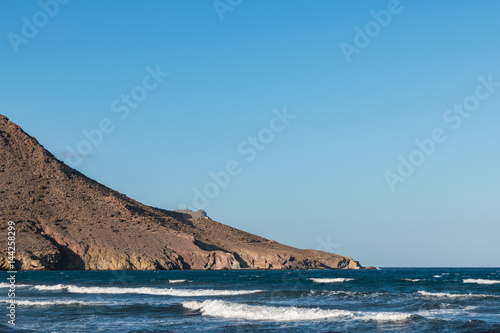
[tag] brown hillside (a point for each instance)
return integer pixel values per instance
(65, 220)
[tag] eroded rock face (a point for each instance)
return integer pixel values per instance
(65, 220)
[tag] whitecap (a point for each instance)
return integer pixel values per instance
(51, 287)
(425, 293)
(178, 281)
(354, 293)
(344, 293)
(412, 280)
(330, 280)
(146, 290)
(16, 285)
(447, 312)
(481, 281)
(228, 310)
(54, 302)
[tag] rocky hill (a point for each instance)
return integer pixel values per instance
(66, 220)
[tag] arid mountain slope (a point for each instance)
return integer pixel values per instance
(66, 220)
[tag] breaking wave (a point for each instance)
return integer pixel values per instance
(178, 281)
(412, 280)
(481, 281)
(146, 290)
(425, 293)
(54, 287)
(50, 303)
(228, 310)
(330, 280)
(7, 285)
(447, 312)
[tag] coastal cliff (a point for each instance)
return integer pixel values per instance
(67, 221)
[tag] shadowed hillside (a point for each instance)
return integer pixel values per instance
(65, 220)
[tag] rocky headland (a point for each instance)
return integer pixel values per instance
(67, 221)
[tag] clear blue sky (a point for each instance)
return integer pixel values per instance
(320, 180)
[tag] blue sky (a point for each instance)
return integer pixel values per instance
(317, 179)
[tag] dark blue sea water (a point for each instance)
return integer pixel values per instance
(385, 300)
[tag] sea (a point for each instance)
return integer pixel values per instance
(382, 300)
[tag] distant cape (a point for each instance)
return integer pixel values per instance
(67, 221)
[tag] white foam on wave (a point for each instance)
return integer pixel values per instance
(446, 312)
(354, 293)
(438, 276)
(330, 280)
(228, 310)
(412, 280)
(178, 281)
(54, 287)
(125, 302)
(481, 281)
(146, 290)
(344, 293)
(7, 285)
(50, 303)
(425, 293)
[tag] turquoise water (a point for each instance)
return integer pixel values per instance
(385, 300)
